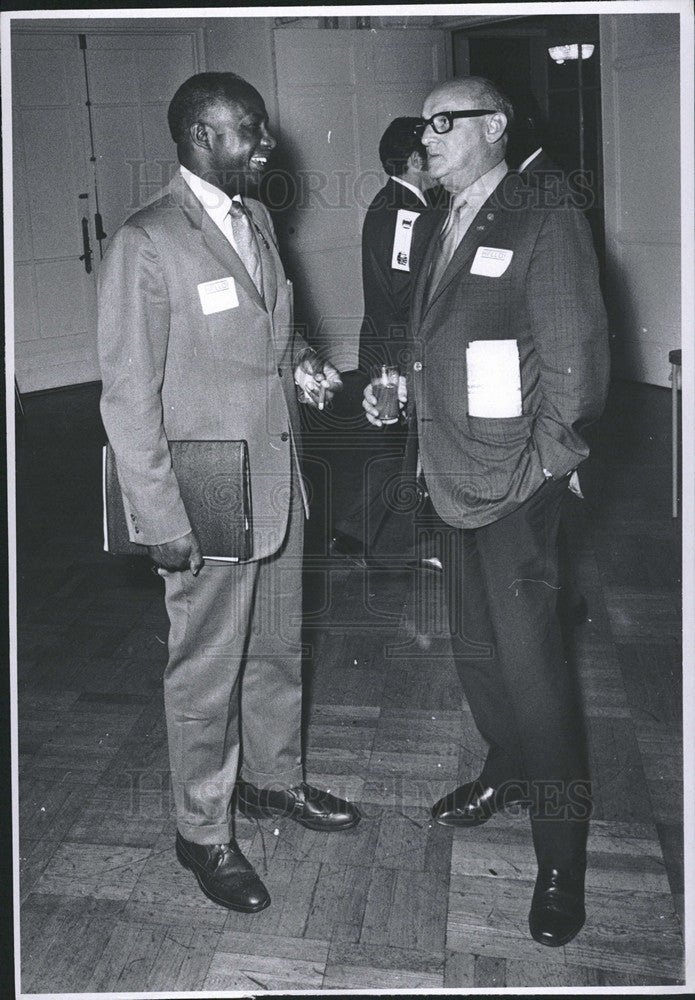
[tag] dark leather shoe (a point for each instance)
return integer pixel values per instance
(224, 874)
(557, 908)
(474, 803)
(311, 807)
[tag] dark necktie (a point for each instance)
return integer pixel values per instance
(246, 245)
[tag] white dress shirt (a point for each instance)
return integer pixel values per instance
(215, 202)
(411, 187)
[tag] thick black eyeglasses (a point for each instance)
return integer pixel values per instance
(443, 121)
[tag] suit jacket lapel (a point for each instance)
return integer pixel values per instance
(269, 265)
(481, 227)
(218, 245)
(418, 305)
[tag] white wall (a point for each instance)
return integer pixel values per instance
(641, 137)
(244, 45)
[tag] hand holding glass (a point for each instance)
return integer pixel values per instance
(384, 383)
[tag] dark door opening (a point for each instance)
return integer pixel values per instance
(563, 89)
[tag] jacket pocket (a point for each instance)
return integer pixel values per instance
(505, 433)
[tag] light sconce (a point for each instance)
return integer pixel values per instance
(560, 53)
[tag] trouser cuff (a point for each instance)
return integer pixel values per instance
(275, 781)
(207, 835)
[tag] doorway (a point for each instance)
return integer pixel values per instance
(90, 146)
(549, 68)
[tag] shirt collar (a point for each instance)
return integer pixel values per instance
(411, 187)
(215, 202)
(477, 193)
(522, 166)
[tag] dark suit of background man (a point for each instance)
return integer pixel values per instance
(195, 343)
(396, 229)
(511, 361)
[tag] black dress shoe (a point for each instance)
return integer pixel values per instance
(474, 803)
(224, 874)
(557, 908)
(311, 807)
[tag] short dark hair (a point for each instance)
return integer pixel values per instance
(398, 143)
(197, 94)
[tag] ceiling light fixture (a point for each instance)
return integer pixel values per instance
(561, 53)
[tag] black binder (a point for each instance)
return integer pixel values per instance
(215, 485)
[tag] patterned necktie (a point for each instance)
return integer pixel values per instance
(246, 245)
(449, 239)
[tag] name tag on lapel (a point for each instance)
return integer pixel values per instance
(402, 239)
(216, 296)
(491, 262)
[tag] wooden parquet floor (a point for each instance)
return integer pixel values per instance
(398, 903)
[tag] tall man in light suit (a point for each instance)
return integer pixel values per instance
(511, 362)
(195, 343)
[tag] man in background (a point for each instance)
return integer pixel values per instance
(397, 227)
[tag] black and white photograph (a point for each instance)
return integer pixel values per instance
(307, 310)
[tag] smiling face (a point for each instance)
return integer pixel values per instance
(458, 158)
(239, 143)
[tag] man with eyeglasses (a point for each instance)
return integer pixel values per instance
(196, 344)
(511, 362)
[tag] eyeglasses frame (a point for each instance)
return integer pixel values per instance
(450, 115)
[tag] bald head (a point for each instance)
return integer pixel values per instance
(475, 91)
(473, 145)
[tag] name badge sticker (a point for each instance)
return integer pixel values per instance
(491, 262)
(216, 296)
(402, 239)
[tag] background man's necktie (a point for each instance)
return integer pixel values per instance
(246, 245)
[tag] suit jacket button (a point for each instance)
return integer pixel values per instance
(284, 436)
(417, 367)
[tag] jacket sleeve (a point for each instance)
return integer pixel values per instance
(570, 336)
(133, 334)
(386, 292)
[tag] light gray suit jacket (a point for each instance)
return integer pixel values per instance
(171, 372)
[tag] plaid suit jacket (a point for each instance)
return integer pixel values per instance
(548, 302)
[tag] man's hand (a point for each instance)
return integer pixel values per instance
(369, 401)
(181, 553)
(317, 380)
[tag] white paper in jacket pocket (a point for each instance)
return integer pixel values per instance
(494, 378)
(491, 262)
